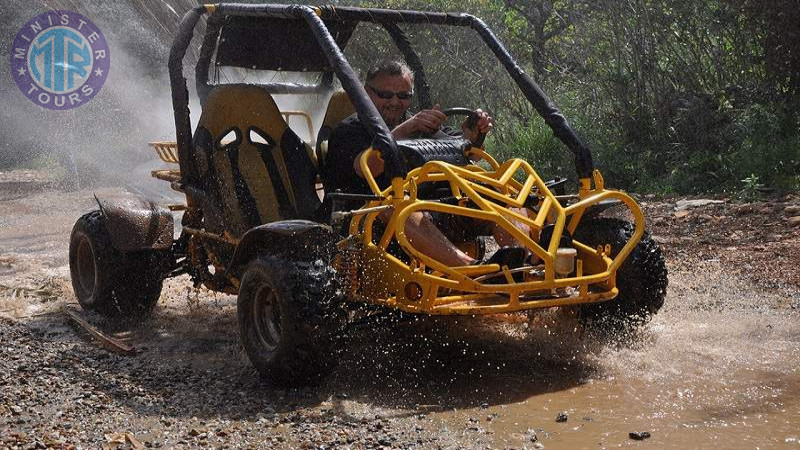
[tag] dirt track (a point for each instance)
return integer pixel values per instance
(717, 367)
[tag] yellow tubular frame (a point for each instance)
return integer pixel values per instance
(454, 290)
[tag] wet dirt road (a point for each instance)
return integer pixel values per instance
(717, 368)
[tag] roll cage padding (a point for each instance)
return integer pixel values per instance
(549, 112)
(368, 115)
(378, 15)
(180, 94)
(417, 152)
(213, 26)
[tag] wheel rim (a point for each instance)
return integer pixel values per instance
(266, 315)
(85, 266)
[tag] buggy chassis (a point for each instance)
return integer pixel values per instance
(252, 224)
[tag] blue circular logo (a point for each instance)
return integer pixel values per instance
(60, 59)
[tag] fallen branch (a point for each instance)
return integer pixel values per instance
(106, 341)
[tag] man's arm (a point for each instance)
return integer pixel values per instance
(429, 121)
(426, 121)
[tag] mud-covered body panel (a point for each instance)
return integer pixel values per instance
(303, 238)
(135, 223)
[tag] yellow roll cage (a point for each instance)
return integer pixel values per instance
(425, 285)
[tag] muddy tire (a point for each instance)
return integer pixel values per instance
(288, 320)
(642, 278)
(122, 286)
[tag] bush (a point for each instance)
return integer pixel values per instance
(702, 145)
(767, 146)
(536, 144)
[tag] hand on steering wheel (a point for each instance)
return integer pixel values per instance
(477, 121)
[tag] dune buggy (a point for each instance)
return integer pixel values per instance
(257, 223)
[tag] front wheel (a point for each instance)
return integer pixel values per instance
(287, 319)
(118, 285)
(641, 279)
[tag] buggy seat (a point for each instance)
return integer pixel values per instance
(339, 108)
(250, 164)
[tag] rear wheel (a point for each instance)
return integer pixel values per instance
(641, 279)
(118, 285)
(287, 319)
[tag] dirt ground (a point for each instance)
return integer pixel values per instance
(717, 367)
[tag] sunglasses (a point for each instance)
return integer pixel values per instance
(388, 95)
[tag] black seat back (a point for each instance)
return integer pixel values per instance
(250, 163)
(339, 108)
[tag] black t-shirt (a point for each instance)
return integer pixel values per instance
(346, 142)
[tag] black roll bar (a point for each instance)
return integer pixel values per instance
(549, 112)
(404, 45)
(180, 94)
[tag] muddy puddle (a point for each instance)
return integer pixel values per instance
(708, 372)
(718, 367)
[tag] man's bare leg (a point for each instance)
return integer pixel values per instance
(426, 237)
(503, 237)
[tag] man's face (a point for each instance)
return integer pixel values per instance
(391, 109)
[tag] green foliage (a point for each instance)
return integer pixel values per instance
(536, 144)
(767, 145)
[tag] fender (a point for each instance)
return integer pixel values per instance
(135, 223)
(599, 207)
(295, 236)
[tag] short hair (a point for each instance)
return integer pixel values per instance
(389, 67)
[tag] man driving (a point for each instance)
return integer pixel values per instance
(390, 87)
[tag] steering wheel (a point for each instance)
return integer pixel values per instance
(472, 121)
